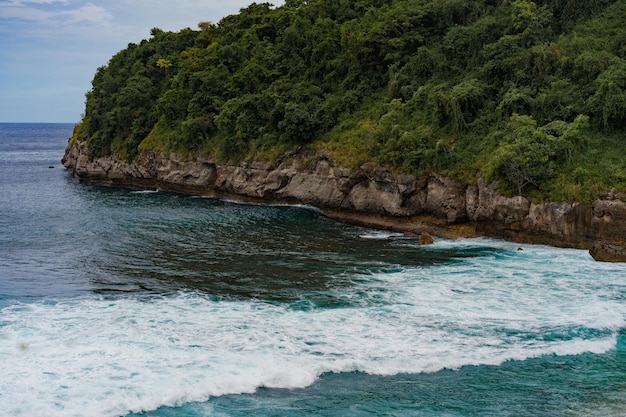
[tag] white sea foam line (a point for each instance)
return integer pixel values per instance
(307, 207)
(145, 192)
(380, 235)
(466, 292)
(98, 357)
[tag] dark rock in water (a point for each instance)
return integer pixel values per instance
(426, 239)
(608, 252)
(51, 167)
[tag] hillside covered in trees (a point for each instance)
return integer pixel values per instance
(530, 94)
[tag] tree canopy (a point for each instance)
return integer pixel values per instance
(532, 94)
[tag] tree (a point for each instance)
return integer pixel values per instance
(610, 96)
(452, 85)
(524, 155)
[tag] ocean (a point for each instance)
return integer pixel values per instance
(136, 303)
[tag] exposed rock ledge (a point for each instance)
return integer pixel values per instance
(374, 196)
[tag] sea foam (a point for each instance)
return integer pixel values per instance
(107, 356)
(110, 356)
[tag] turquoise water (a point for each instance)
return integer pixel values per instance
(125, 303)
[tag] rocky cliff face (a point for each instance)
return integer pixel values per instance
(375, 196)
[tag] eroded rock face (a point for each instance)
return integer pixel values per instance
(446, 199)
(371, 190)
(608, 252)
(608, 219)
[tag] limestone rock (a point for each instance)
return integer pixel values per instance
(371, 190)
(446, 199)
(608, 252)
(609, 219)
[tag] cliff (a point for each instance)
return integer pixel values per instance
(374, 196)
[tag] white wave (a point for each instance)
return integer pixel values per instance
(244, 202)
(145, 192)
(380, 235)
(98, 357)
(107, 357)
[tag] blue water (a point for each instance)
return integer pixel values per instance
(125, 303)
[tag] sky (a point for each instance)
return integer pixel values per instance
(51, 49)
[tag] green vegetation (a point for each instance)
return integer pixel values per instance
(532, 94)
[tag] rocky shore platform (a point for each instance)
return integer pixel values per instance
(376, 197)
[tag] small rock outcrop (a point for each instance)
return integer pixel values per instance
(608, 252)
(416, 204)
(426, 239)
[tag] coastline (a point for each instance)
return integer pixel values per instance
(374, 197)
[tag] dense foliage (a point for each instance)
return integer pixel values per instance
(529, 93)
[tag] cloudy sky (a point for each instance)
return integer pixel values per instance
(50, 49)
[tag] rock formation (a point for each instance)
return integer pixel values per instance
(374, 196)
(608, 252)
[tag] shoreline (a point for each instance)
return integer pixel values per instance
(373, 197)
(410, 226)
